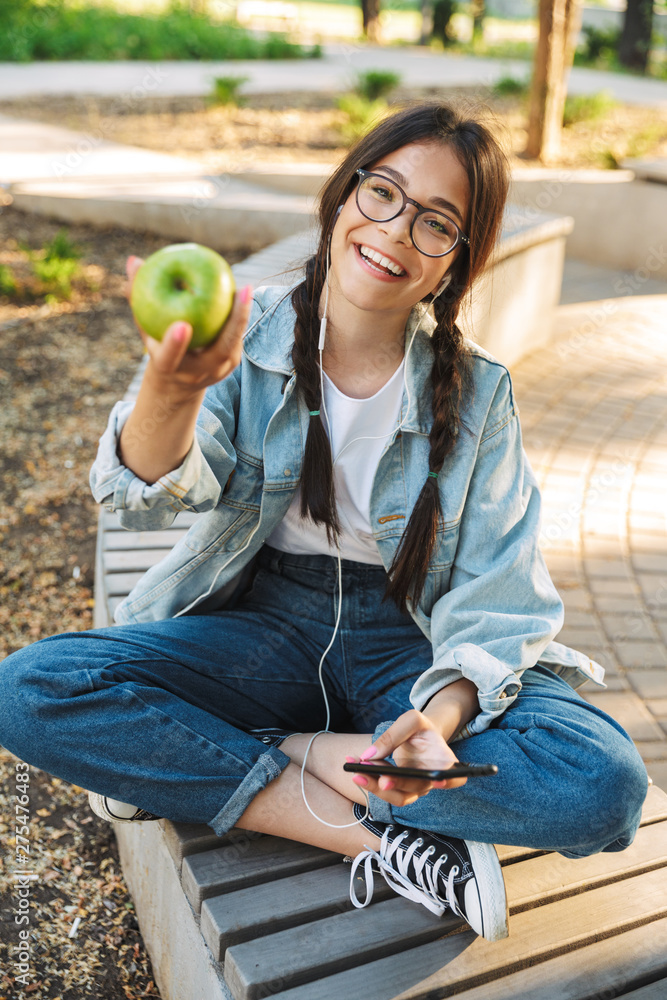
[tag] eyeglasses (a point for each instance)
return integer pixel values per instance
(380, 200)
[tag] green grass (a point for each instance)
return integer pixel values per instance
(510, 86)
(65, 29)
(56, 265)
(7, 281)
(375, 83)
(226, 89)
(588, 107)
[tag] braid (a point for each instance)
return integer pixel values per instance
(318, 499)
(449, 378)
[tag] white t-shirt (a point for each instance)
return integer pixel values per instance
(354, 468)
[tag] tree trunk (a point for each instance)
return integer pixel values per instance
(560, 21)
(635, 43)
(370, 12)
(427, 21)
(478, 11)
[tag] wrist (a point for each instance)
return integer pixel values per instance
(171, 395)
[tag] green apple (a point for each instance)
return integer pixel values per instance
(184, 281)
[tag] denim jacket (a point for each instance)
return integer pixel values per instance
(488, 606)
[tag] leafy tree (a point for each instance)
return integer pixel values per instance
(370, 13)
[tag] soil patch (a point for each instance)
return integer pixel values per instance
(293, 127)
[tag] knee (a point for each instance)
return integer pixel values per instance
(34, 685)
(608, 800)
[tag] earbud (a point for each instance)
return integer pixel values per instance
(443, 284)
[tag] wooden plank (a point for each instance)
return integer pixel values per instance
(552, 876)
(130, 540)
(226, 869)
(265, 909)
(603, 970)
(655, 991)
(120, 584)
(303, 954)
(183, 839)
(295, 956)
(184, 519)
(654, 811)
(138, 559)
(655, 806)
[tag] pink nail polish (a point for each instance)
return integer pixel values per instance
(351, 760)
(370, 752)
(360, 779)
(246, 294)
(180, 333)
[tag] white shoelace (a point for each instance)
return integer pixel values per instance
(393, 864)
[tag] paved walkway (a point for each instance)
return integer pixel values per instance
(131, 82)
(594, 414)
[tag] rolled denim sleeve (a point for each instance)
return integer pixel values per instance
(197, 483)
(502, 609)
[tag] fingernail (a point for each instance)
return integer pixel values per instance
(370, 752)
(246, 294)
(180, 332)
(386, 784)
(360, 779)
(351, 760)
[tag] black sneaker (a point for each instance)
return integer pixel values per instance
(117, 812)
(272, 737)
(441, 873)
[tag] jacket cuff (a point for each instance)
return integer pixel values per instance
(497, 686)
(118, 488)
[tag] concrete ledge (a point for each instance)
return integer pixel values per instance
(619, 220)
(219, 212)
(183, 966)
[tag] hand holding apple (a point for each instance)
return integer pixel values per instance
(180, 373)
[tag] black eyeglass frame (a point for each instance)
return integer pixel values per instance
(460, 238)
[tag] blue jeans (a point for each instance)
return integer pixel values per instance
(158, 714)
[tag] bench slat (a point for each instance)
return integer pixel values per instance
(465, 960)
(130, 540)
(538, 879)
(603, 969)
(265, 909)
(243, 864)
(344, 940)
(183, 839)
(139, 559)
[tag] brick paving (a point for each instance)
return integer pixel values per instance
(594, 415)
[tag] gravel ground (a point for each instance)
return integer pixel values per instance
(62, 367)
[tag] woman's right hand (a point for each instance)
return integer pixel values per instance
(180, 374)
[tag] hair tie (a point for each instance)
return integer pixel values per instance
(434, 474)
(314, 413)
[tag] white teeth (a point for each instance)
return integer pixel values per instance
(382, 261)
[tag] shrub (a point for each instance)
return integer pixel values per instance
(7, 281)
(510, 86)
(56, 265)
(361, 115)
(65, 29)
(226, 89)
(600, 43)
(376, 83)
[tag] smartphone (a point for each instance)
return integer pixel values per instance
(435, 773)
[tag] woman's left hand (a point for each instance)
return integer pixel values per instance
(413, 740)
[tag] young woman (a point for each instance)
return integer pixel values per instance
(366, 563)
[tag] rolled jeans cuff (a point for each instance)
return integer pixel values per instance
(379, 809)
(269, 766)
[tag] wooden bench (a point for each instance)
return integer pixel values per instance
(249, 916)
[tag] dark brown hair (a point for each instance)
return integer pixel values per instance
(488, 175)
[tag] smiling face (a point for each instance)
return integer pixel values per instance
(432, 175)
